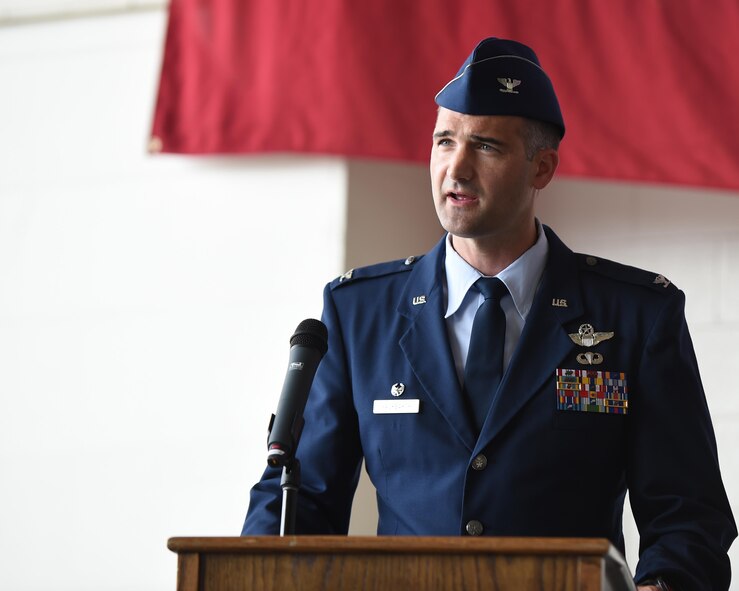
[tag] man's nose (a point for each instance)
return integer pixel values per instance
(460, 165)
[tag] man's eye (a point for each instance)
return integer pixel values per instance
(486, 147)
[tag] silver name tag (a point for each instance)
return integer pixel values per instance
(390, 407)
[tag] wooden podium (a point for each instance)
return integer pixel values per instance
(308, 563)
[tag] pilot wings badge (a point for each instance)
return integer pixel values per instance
(509, 84)
(587, 337)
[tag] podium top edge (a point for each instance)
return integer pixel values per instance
(392, 545)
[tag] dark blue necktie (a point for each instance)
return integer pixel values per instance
(484, 367)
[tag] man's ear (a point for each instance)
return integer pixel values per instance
(545, 163)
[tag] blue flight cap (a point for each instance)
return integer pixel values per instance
(502, 77)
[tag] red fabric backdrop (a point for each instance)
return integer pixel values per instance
(648, 89)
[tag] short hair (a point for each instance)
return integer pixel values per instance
(539, 135)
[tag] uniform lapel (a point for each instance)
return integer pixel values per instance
(544, 342)
(426, 344)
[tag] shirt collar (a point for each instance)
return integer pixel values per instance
(521, 277)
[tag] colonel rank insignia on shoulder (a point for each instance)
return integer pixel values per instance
(377, 270)
(625, 273)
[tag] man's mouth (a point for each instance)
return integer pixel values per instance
(460, 197)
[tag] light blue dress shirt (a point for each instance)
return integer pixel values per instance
(521, 278)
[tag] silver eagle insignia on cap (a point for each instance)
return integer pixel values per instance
(509, 84)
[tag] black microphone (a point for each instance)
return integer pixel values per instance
(308, 345)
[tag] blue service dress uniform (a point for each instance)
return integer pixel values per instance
(544, 464)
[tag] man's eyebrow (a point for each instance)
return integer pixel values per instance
(487, 140)
(474, 137)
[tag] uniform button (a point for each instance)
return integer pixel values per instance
(480, 462)
(474, 527)
(592, 261)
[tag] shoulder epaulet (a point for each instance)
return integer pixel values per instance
(377, 270)
(625, 273)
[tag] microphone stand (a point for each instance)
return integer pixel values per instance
(290, 483)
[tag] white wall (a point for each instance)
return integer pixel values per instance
(146, 305)
(146, 302)
(28, 11)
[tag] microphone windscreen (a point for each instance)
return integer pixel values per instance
(311, 333)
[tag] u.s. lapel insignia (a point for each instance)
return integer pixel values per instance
(418, 300)
(397, 389)
(559, 303)
(590, 358)
(587, 337)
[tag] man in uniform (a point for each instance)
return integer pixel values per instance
(524, 405)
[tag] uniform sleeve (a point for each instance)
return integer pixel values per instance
(677, 495)
(329, 451)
